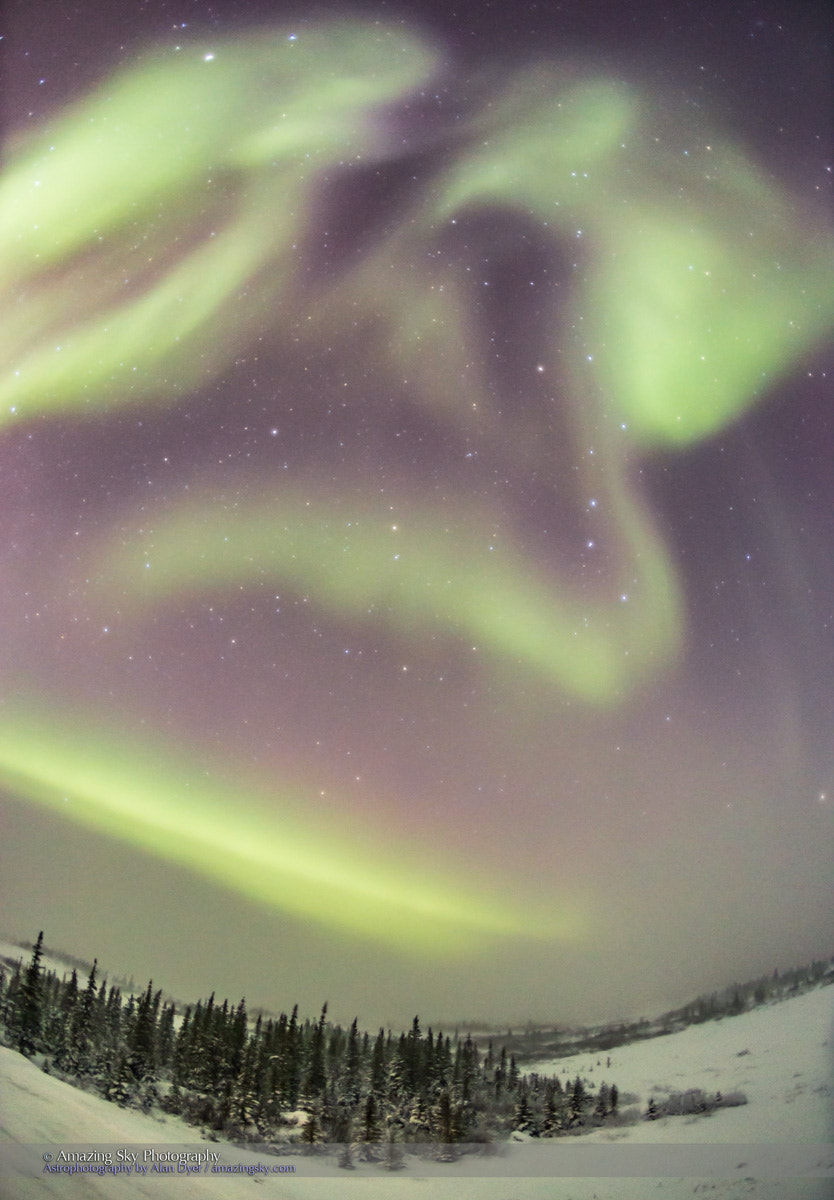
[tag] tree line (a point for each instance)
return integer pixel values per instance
(283, 1079)
(542, 1043)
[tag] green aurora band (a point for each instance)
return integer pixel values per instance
(418, 575)
(702, 286)
(154, 230)
(186, 815)
(143, 232)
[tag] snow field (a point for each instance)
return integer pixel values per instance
(780, 1056)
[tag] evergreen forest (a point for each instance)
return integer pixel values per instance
(282, 1080)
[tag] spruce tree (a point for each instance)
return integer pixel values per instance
(443, 1059)
(142, 1037)
(489, 1058)
(316, 1078)
(203, 1054)
(68, 1002)
(28, 1017)
(576, 1103)
(420, 1119)
(244, 1094)
(350, 1081)
(219, 1048)
(370, 1133)
(523, 1119)
(444, 1127)
(397, 1087)
(450, 1121)
(82, 1049)
(165, 1035)
(501, 1072)
(51, 990)
(379, 1073)
(180, 1067)
(413, 1073)
(120, 1086)
(468, 1067)
(236, 1039)
(291, 1061)
(554, 1110)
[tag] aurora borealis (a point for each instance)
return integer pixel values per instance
(417, 552)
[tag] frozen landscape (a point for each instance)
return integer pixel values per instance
(779, 1055)
(416, 600)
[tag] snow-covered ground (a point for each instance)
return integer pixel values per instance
(780, 1056)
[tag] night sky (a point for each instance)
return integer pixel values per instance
(416, 443)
